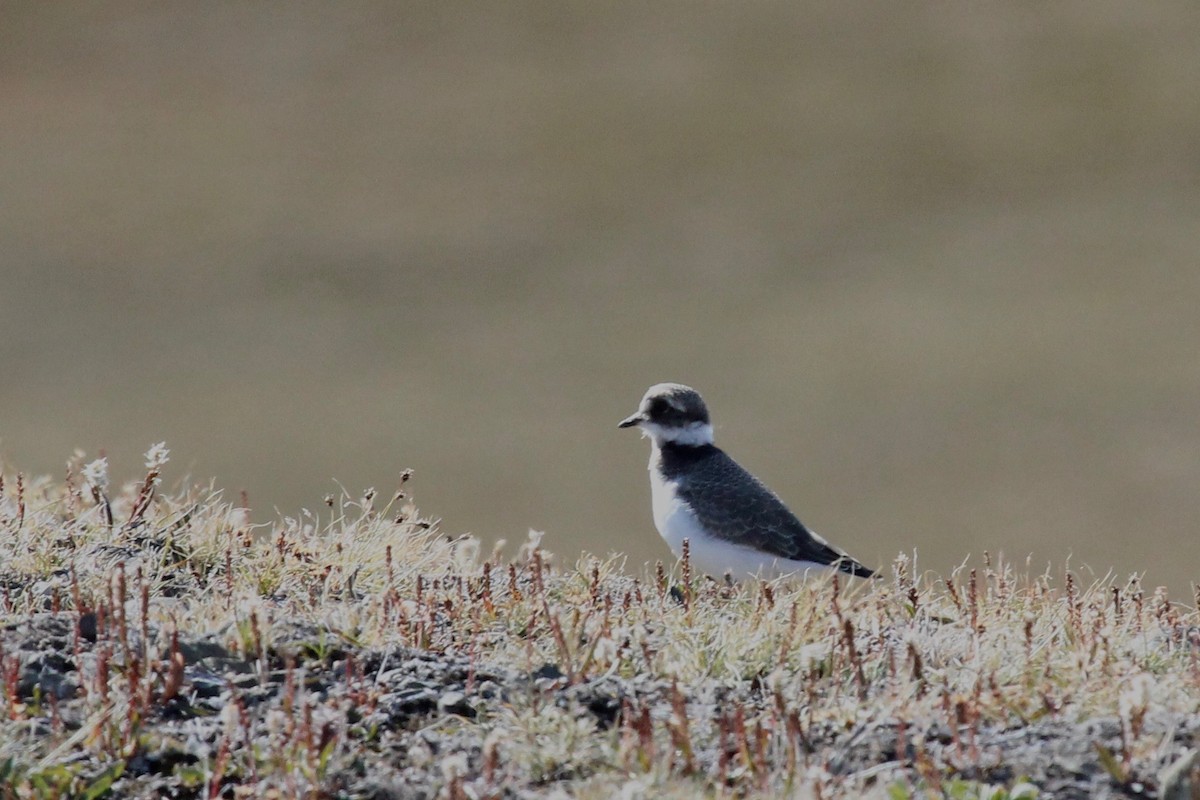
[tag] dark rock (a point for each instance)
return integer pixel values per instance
(548, 672)
(194, 650)
(204, 683)
(454, 702)
(54, 682)
(605, 709)
(87, 626)
(413, 703)
(225, 665)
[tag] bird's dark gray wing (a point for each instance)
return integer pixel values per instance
(734, 505)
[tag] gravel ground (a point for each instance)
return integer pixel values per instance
(406, 723)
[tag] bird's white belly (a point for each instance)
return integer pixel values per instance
(710, 554)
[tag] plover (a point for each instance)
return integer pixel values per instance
(736, 526)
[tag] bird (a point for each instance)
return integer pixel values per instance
(735, 526)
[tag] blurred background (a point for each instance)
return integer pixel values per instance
(935, 268)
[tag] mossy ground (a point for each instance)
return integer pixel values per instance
(157, 644)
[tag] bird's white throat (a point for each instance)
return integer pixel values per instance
(694, 433)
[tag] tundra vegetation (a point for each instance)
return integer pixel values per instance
(155, 643)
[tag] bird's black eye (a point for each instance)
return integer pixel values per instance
(658, 407)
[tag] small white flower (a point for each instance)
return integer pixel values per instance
(157, 456)
(776, 679)
(606, 650)
(526, 551)
(634, 789)
(1136, 696)
(230, 718)
(96, 474)
(276, 722)
(419, 754)
(454, 766)
(466, 552)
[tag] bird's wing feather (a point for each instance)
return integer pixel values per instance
(717, 485)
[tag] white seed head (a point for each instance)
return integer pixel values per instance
(157, 456)
(454, 766)
(96, 473)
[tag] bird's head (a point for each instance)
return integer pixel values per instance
(672, 412)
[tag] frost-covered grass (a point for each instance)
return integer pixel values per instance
(744, 683)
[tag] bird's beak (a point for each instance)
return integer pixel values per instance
(630, 421)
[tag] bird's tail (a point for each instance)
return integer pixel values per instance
(851, 567)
